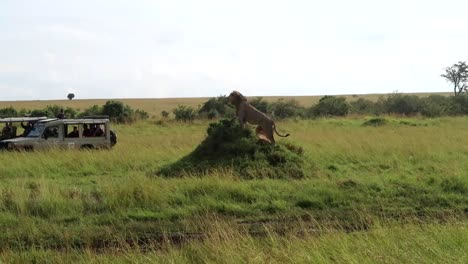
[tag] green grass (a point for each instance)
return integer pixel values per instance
(406, 171)
(391, 244)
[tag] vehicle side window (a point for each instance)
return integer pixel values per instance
(94, 130)
(71, 131)
(51, 132)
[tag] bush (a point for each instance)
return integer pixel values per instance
(363, 107)
(118, 112)
(330, 106)
(165, 114)
(228, 146)
(92, 111)
(260, 104)
(141, 114)
(435, 105)
(459, 104)
(70, 112)
(213, 114)
(38, 113)
(184, 113)
(286, 108)
(8, 112)
(217, 105)
(402, 104)
(53, 110)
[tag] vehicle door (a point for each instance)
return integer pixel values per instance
(52, 137)
(72, 135)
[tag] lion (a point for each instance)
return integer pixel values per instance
(246, 113)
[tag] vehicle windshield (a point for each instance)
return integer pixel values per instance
(36, 130)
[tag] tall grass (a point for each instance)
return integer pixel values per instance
(223, 244)
(407, 170)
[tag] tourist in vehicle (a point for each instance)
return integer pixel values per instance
(61, 115)
(27, 128)
(96, 131)
(86, 131)
(6, 131)
(74, 133)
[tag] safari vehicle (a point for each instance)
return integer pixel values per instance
(86, 133)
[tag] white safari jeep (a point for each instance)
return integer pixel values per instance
(86, 133)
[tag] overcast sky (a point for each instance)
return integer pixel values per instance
(138, 48)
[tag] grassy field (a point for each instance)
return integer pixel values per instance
(394, 193)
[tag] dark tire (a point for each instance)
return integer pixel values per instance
(113, 138)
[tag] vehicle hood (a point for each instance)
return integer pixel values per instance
(20, 140)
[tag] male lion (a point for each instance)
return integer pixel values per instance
(247, 113)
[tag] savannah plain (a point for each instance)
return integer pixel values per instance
(396, 193)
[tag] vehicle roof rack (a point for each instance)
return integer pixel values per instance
(21, 119)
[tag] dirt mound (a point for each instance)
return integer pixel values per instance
(230, 147)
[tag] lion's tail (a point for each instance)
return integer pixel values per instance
(274, 128)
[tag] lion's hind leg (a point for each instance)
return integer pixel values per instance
(262, 135)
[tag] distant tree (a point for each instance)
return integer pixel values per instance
(457, 74)
(70, 96)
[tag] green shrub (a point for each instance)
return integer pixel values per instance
(92, 111)
(402, 104)
(53, 110)
(285, 108)
(459, 104)
(228, 146)
(260, 104)
(8, 112)
(330, 106)
(141, 114)
(39, 113)
(217, 105)
(213, 114)
(70, 112)
(165, 114)
(118, 112)
(363, 107)
(184, 113)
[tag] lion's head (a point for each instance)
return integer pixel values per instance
(236, 98)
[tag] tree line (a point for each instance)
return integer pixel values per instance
(116, 111)
(218, 107)
(329, 106)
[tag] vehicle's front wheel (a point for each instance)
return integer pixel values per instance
(113, 138)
